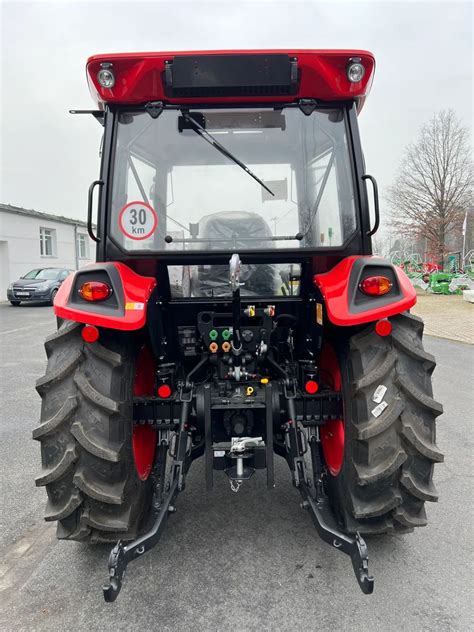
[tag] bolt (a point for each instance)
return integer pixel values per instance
(304, 504)
(172, 509)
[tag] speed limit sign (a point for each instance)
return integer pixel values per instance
(138, 220)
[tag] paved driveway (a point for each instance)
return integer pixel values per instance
(247, 561)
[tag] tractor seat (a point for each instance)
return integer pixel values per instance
(237, 228)
(231, 231)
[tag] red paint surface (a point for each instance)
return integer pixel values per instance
(143, 446)
(334, 286)
(136, 289)
(332, 433)
(139, 77)
(144, 436)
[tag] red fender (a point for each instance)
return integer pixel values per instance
(339, 287)
(127, 310)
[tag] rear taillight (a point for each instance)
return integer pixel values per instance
(383, 327)
(95, 291)
(311, 387)
(90, 333)
(164, 391)
(376, 286)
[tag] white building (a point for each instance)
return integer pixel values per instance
(30, 239)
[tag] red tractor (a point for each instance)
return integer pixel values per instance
(235, 311)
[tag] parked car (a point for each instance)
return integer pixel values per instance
(40, 284)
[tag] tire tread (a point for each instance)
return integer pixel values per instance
(387, 476)
(85, 434)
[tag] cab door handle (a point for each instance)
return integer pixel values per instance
(376, 204)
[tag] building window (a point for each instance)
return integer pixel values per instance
(82, 246)
(47, 242)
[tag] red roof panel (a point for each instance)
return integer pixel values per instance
(140, 77)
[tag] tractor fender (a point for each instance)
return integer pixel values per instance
(125, 309)
(347, 305)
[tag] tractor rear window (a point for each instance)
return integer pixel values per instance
(198, 281)
(231, 180)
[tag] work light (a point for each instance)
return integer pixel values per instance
(106, 77)
(355, 70)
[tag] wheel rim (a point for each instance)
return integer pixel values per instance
(144, 437)
(332, 433)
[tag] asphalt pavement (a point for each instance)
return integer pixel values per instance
(246, 561)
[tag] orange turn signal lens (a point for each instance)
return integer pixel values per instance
(376, 286)
(95, 291)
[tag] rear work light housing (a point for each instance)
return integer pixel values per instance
(355, 70)
(105, 76)
(95, 291)
(375, 285)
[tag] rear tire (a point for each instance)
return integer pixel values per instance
(93, 488)
(388, 457)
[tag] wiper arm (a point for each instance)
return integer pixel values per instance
(203, 133)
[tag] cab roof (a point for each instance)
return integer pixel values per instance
(219, 77)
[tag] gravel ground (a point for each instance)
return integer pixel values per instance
(247, 561)
(446, 316)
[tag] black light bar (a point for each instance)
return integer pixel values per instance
(231, 75)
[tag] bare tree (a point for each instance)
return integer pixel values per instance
(434, 184)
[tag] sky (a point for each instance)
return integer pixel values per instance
(423, 50)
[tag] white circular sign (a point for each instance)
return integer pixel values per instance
(138, 220)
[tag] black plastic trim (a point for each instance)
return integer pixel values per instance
(273, 74)
(360, 302)
(108, 273)
(105, 176)
(360, 188)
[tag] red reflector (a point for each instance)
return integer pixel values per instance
(95, 291)
(376, 285)
(164, 391)
(311, 387)
(90, 333)
(383, 327)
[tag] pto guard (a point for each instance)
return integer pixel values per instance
(345, 303)
(127, 310)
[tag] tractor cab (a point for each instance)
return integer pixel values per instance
(267, 162)
(235, 311)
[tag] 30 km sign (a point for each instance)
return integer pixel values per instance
(138, 220)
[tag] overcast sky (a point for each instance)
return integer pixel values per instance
(423, 52)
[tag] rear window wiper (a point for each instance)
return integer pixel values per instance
(203, 133)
